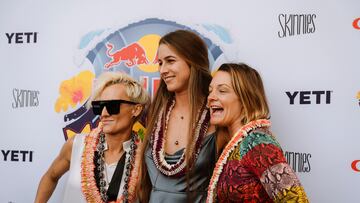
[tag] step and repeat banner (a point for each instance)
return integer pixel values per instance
(307, 52)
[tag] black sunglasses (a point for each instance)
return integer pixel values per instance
(112, 106)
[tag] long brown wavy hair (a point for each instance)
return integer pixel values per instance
(191, 48)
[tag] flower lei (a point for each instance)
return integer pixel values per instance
(88, 182)
(233, 143)
(158, 140)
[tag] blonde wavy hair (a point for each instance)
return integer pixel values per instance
(133, 89)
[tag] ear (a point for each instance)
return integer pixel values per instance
(137, 110)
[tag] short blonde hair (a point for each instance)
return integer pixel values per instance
(134, 90)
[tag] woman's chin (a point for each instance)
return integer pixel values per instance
(217, 122)
(107, 130)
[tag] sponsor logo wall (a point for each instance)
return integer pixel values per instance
(307, 55)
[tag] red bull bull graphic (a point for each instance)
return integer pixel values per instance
(131, 49)
(134, 54)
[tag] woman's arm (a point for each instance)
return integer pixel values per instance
(265, 158)
(60, 165)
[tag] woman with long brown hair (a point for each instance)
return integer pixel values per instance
(181, 145)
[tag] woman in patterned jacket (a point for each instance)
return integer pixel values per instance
(252, 167)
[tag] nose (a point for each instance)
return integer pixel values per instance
(163, 69)
(211, 97)
(104, 112)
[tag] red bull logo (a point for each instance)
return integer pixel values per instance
(141, 53)
(131, 49)
(134, 54)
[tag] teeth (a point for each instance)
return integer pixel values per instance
(168, 78)
(216, 108)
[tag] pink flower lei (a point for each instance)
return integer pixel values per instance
(88, 182)
(158, 140)
(233, 143)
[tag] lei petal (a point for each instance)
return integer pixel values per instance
(158, 140)
(88, 182)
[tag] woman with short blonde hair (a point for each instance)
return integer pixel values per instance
(103, 165)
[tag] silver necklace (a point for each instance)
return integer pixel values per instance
(101, 167)
(129, 164)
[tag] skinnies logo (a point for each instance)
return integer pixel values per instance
(296, 24)
(355, 165)
(310, 97)
(17, 155)
(356, 23)
(131, 49)
(22, 37)
(299, 161)
(25, 98)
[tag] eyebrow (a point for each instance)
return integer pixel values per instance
(226, 85)
(169, 57)
(221, 85)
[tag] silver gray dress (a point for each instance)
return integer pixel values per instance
(173, 189)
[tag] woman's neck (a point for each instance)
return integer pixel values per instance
(182, 99)
(234, 127)
(115, 141)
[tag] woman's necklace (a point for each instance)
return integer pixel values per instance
(101, 168)
(158, 140)
(177, 140)
(95, 141)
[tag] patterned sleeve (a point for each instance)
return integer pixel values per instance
(264, 157)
